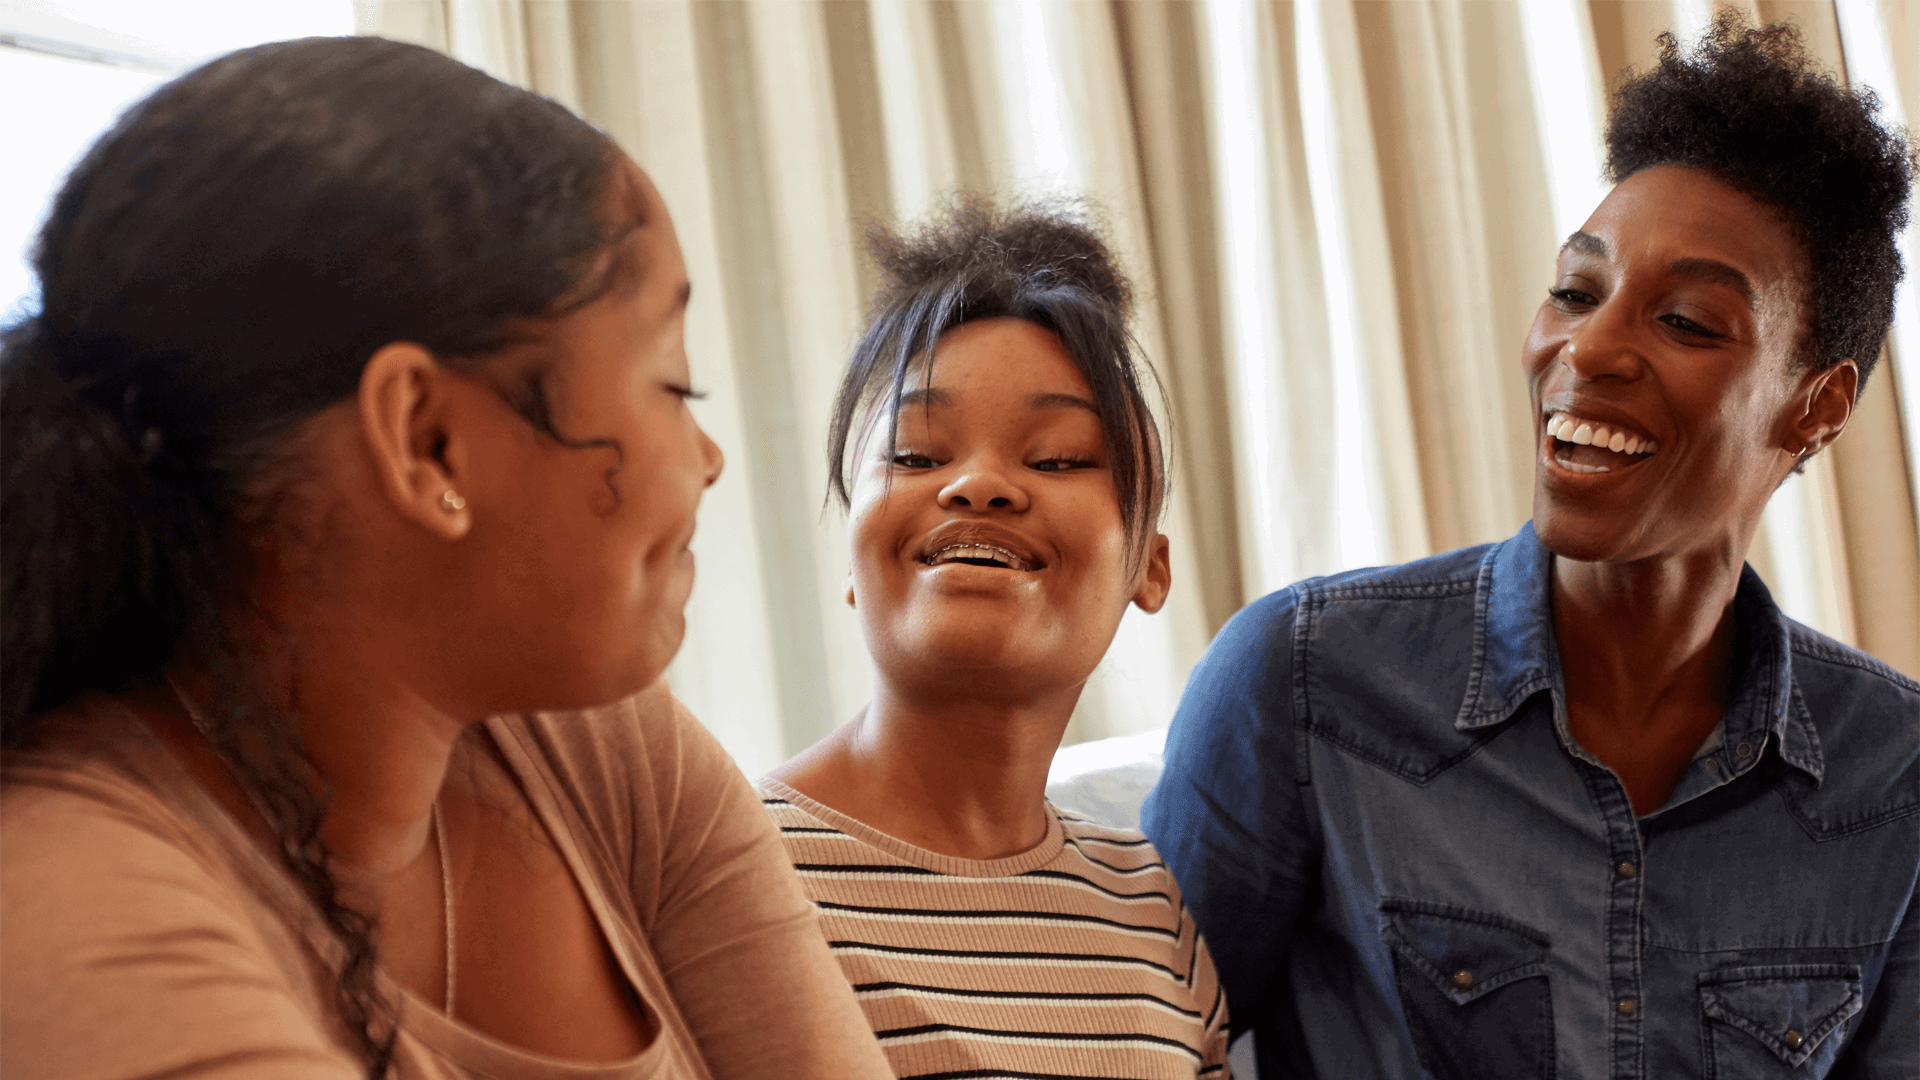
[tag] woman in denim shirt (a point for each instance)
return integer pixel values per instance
(1584, 803)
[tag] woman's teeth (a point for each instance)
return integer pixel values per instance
(978, 555)
(1572, 429)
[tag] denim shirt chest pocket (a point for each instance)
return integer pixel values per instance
(1474, 989)
(1775, 1020)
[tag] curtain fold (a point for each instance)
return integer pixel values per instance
(1341, 215)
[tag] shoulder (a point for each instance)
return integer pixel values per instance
(1828, 668)
(651, 732)
(1125, 851)
(1866, 719)
(785, 806)
(115, 918)
(1353, 604)
(645, 754)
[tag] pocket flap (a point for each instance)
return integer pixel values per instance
(1789, 1008)
(1466, 953)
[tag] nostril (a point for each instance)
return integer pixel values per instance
(1000, 501)
(961, 500)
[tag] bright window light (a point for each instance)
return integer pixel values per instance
(74, 100)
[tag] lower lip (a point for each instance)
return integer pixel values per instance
(967, 572)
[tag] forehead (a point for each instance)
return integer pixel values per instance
(994, 356)
(1666, 214)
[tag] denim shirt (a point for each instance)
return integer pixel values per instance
(1407, 867)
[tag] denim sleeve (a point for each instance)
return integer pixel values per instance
(1228, 814)
(1887, 1044)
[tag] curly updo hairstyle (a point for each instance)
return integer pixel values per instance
(1043, 262)
(217, 269)
(1751, 107)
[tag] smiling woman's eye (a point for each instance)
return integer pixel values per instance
(1689, 327)
(687, 392)
(908, 459)
(1569, 299)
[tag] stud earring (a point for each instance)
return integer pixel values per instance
(451, 502)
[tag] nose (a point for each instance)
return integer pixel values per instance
(710, 450)
(984, 484)
(1603, 346)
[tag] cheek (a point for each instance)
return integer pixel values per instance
(1543, 342)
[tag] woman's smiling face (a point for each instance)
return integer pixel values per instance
(991, 543)
(1670, 336)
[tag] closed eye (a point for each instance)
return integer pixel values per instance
(1063, 464)
(1688, 326)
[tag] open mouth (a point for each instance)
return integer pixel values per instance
(1589, 446)
(974, 553)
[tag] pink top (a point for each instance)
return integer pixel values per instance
(142, 933)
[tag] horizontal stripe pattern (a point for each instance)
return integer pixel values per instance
(1074, 960)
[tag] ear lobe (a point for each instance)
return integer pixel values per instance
(403, 398)
(1156, 577)
(1829, 404)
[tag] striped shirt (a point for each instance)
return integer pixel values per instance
(1074, 959)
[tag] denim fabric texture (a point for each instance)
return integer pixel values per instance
(1406, 867)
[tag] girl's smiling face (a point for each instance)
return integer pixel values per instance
(991, 542)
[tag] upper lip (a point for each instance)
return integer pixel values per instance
(961, 533)
(1599, 411)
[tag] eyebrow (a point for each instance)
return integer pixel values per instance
(1060, 401)
(1587, 244)
(1709, 270)
(926, 395)
(1715, 272)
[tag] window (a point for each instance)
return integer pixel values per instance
(69, 67)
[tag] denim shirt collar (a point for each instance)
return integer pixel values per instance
(1516, 656)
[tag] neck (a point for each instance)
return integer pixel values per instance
(379, 746)
(1635, 635)
(956, 774)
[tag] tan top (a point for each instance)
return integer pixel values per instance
(1073, 959)
(142, 933)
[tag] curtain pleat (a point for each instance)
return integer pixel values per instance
(1340, 214)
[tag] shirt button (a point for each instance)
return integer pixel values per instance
(1745, 750)
(1463, 979)
(1792, 1039)
(1625, 1007)
(1625, 870)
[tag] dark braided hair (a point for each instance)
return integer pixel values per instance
(1751, 107)
(218, 268)
(1042, 262)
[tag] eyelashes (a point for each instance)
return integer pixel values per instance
(906, 459)
(1574, 301)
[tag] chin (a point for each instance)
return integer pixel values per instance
(1583, 534)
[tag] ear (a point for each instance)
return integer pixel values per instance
(1156, 577)
(1823, 406)
(404, 398)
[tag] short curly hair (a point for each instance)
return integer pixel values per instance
(1750, 106)
(1044, 262)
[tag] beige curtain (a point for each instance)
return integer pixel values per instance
(1341, 214)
